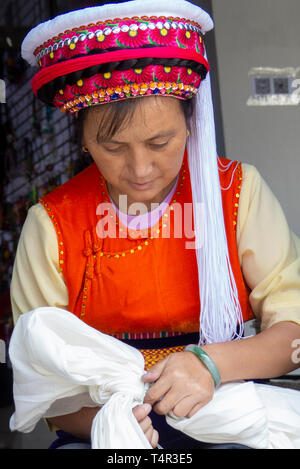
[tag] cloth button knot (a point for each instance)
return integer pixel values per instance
(87, 252)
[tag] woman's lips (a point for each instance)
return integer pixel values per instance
(141, 187)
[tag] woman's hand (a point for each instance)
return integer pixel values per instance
(141, 414)
(80, 423)
(182, 384)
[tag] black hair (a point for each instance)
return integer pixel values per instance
(48, 91)
(121, 112)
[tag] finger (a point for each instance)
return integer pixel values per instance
(152, 437)
(155, 439)
(145, 424)
(155, 371)
(190, 405)
(186, 405)
(157, 391)
(149, 433)
(196, 408)
(168, 402)
(141, 411)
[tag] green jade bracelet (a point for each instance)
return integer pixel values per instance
(208, 362)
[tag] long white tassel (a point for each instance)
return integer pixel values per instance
(221, 316)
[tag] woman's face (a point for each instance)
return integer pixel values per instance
(148, 149)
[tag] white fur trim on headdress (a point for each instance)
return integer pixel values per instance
(61, 23)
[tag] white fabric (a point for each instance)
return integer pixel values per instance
(56, 358)
(256, 415)
(55, 355)
(176, 8)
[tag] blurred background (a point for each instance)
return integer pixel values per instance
(255, 61)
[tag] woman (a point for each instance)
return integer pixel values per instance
(120, 274)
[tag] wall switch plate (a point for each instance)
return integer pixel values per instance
(274, 87)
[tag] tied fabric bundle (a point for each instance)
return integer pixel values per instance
(61, 365)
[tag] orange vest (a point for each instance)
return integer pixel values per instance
(140, 282)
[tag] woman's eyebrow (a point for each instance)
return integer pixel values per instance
(169, 133)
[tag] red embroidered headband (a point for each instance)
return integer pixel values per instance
(112, 60)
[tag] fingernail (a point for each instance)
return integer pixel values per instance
(147, 407)
(148, 376)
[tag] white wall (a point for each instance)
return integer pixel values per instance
(260, 33)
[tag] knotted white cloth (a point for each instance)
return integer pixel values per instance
(60, 365)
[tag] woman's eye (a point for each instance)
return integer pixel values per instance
(117, 149)
(158, 146)
(112, 149)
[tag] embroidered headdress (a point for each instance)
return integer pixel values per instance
(140, 48)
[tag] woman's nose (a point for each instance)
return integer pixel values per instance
(141, 166)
